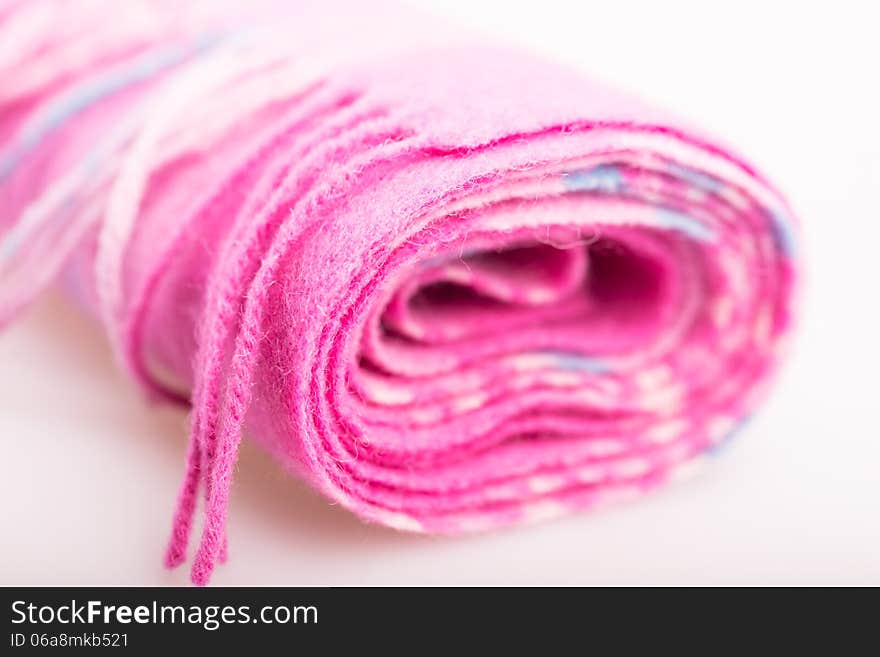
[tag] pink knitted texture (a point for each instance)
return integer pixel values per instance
(452, 285)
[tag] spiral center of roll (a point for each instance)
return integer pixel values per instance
(529, 286)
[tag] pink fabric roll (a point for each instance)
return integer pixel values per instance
(452, 285)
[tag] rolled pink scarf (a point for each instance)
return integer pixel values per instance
(451, 285)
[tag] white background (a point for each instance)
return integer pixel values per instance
(90, 471)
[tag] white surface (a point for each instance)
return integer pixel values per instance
(90, 471)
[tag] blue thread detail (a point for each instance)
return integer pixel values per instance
(722, 445)
(576, 362)
(783, 235)
(685, 224)
(434, 261)
(602, 178)
(62, 109)
(695, 177)
(9, 245)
